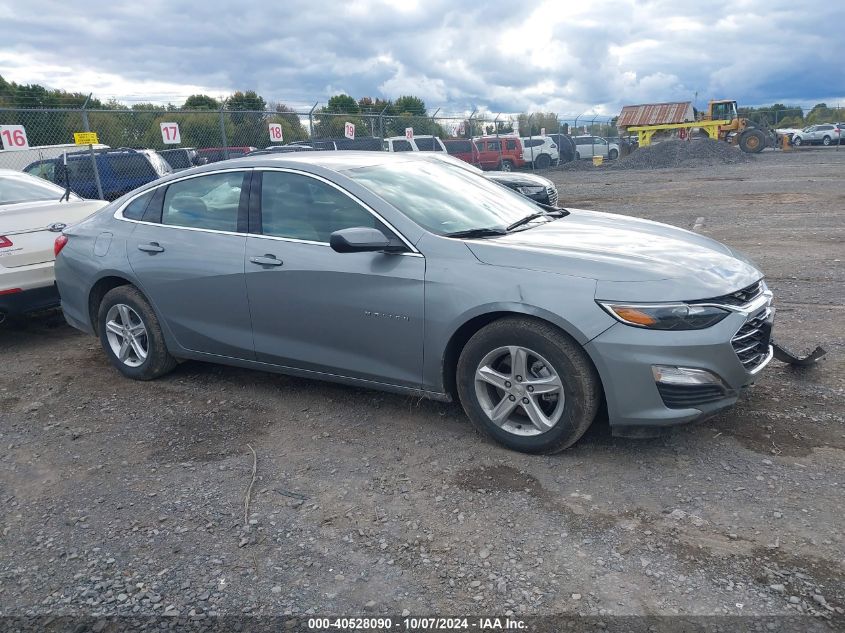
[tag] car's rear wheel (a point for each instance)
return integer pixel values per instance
(528, 385)
(826, 141)
(543, 161)
(613, 154)
(131, 335)
(506, 165)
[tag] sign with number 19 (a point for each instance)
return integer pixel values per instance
(349, 131)
(13, 137)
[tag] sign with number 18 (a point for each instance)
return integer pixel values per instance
(276, 134)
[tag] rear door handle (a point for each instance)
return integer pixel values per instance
(266, 260)
(152, 247)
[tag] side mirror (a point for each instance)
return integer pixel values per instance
(358, 239)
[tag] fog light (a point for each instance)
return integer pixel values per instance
(668, 375)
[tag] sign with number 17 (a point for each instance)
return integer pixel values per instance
(170, 133)
(13, 137)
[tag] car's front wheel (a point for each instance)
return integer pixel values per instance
(131, 335)
(613, 155)
(796, 141)
(528, 385)
(826, 141)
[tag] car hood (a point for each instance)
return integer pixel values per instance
(518, 179)
(631, 259)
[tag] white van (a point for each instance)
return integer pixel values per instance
(422, 143)
(17, 159)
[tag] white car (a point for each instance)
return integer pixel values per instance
(589, 146)
(422, 143)
(33, 213)
(822, 134)
(541, 151)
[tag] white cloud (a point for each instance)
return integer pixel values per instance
(504, 56)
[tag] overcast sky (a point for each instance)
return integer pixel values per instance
(561, 56)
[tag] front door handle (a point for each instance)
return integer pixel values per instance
(266, 260)
(152, 247)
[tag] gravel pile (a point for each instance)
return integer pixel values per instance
(676, 153)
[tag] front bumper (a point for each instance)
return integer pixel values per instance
(624, 357)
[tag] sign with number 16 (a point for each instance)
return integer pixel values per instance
(13, 137)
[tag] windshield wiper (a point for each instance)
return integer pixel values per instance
(485, 232)
(526, 220)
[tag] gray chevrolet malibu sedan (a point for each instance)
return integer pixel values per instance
(395, 272)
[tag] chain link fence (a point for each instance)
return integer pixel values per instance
(137, 146)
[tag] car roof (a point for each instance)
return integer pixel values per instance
(335, 160)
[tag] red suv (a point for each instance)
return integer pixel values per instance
(500, 152)
(464, 149)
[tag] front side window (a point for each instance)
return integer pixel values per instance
(441, 198)
(304, 208)
(494, 146)
(511, 145)
(205, 202)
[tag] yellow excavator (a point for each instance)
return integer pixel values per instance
(750, 136)
(721, 122)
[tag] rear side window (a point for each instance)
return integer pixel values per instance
(402, 146)
(480, 145)
(43, 169)
(135, 209)
(205, 202)
(493, 146)
(459, 147)
(177, 159)
(532, 142)
(510, 144)
(132, 166)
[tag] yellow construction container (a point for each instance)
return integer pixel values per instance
(598, 160)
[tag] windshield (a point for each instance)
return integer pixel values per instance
(25, 188)
(442, 198)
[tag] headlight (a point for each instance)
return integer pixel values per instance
(531, 191)
(667, 316)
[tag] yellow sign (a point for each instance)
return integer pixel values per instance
(85, 138)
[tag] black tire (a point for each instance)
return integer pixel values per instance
(613, 154)
(826, 141)
(796, 141)
(506, 165)
(158, 360)
(752, 141)
(543, 161)
(581, 385)
(577, 155)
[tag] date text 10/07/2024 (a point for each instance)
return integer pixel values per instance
(416, 624)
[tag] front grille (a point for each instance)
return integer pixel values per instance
(740, 297)
(689, 396)
(751, 342)
(551, 192)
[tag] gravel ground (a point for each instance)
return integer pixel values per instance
(127, 498)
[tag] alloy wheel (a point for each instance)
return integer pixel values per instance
(127, 335)
(519, 390)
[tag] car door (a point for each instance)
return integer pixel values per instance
(187, 252)
(357, 315)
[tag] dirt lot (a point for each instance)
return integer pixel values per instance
(120, 497)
